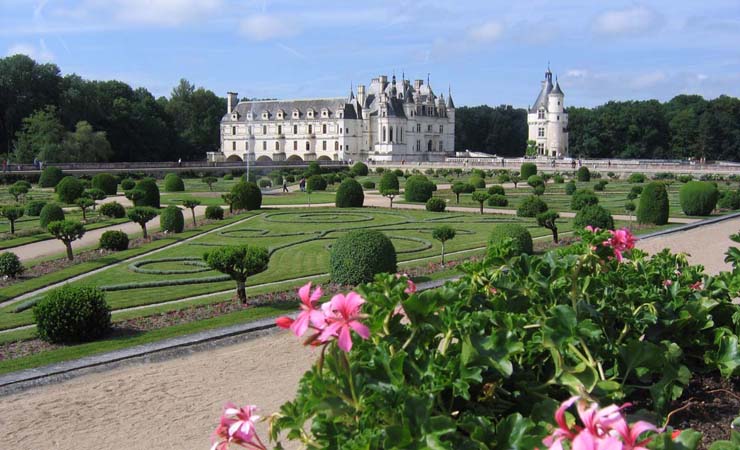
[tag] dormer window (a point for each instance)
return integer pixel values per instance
(309, 114)
(249, 116)
(265, 115)
(280, 114)
(324, 113)
(541, 114)
(296, 114)
(233, 116)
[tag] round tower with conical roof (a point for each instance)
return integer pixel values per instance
(548, 120)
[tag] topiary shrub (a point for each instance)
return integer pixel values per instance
(496, 189)
(698, 198)
(559, 179)
(360, 169)
(582, 198)
(527, 170)
(316, 183)
(72, 314)
(436, 204)
(146, 193)
(10, 265)
(535, 180)
(583, 174)
(51, 212)
(50, 177)
(418, 189)
(368, 185)
(34, 207)
(477, 182)
(636, 178)
(359, 255)
(350, 194)
(114, 210)
(685, 178)
(246, 195)
(127, 184)
(265, 183)
(114, 240)
(171, 220)
(214, 212)
(228, 177)
(498, 200)
(653, 206)
(595, 216)
(173, 183)
(521, 239)
(69, 189)
(601, 185)
(570, 187)
(290, 178)
(531, 206)
(729, 200)
(106, 183)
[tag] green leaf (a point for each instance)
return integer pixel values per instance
(515, 433)
(727, 356)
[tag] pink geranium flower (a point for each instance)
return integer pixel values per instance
(592, 229)
(309, 314)
(342, 315)
(621, 241)
(410, 286)
(237, 427)
(667, 283)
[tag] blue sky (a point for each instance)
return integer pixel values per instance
(490, 51)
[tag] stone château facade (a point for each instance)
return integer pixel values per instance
(548, 121)
(388, 121)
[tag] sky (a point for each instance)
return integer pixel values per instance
(487, 51)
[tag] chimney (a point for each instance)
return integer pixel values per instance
(361, 94)
(232, 98)
(383, 79)
(417, 84)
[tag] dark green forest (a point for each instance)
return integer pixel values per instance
(65, 118)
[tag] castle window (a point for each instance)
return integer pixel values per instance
(323, 128)
(429, 128)
(390, 134)
(308, 146)
(323, 145)
(265, 116)
(324, 113)
(264, 129)
(418, 128)
(310, 114)
(558, 117)
(383, 140)
(340, 130)
(250, 129)
(310, 129)
(440, 146)
(233, 145)
(540, 132)
(277, 146)
(429, 146)
(280, 129)
(295, 129)
(541, 114)
(558, 102)
(264, 145)
(295, 145)
(441, 128)
(296, 114)
(418, 145)
(246, 146)
(233, 130)
(346, 147)
(336, 146)
(346, 130)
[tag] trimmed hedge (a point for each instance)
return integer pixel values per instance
(496, 189)
(246, 195)
(535, 180)
(34, 207)
(636, 178)
(698, 198)
(316, 183)
(214, 212)
(583, 174)
(50, 177)
(72, 314)
(128, 184)
(171, 220)
(653, 207)
(69, 189)
(498, 200)
(163, 283)
(173, 183)
(595, 216)
(51, 212)
(531, 206)
(521, 239)
(148, 193)
(10, 265)
(360, 169)
(418, 189)
(368, 185)
(582, 198)
(113, 210)
(114, 240)
(601, 185)
(527, 170)
(359, 255)
(436, 204)
(478, 182)
(570, 188)
(350, 194)
(729, 200)
(106, 183)
(265, 183)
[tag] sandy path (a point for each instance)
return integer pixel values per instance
(166, 405)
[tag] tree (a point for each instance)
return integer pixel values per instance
(630, 208)
(390, 194)
(67, 231)
(191, 205)
(229, 199)
(94, 194)
(458, 188)
(11, 213)
(17, 190)
(531, 148)
(238, 262)
(547, 219)
(514, 178)
(142, 215)
(210, 182)
(41, 137)
(443, 233)
(84, 203)
(480, 197)
(84, 145)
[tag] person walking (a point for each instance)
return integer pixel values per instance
(179, 162)
(302, 184)
(285, 185)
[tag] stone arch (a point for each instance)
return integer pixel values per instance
(264, 158)
(234, 158)
(295, 158)
(324, 158)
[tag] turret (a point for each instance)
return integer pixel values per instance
(232, 98)
(361, 94)
(555, 99)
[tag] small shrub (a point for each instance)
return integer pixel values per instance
(72, 314)
(128, 184)
(539, 190)
(685, 178)
(664, 176)
(570, 188)
(559, 179)
(521, 239)
(503, 177)
(527, 170)
(172, 220)
(583, 174)
(582, 198)
(359, 255)
(10, 265)
(729, 200)
(114, 210)
(600, 186)
(114, 240)
(350, 194)
(290, 178)
(496, 189)
(50, 177)
(478, 182)
(246, 195)
(368, 185)
(69, 189)
(214, 212)
(399, 173)
(360, 169)
(34, 207)
(436, 204)
(498, 200)
(228, 177)
(698, 198)
(265, 183)
(316, 183)
(595, 216)
(106, 183)
(535, 180)
(636, 177)
(51, 212)
(418, 189)
(173, 183)
(531, 206)
(653, 206)
(146, 193)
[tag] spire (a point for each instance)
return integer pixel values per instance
(394, 91)
(557, 89)
(450, 103)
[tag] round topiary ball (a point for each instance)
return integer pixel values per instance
(498, 200)
(368, 185)
(50, 177)
(173, 183)
(570, 188)
(34, 207)
(316, 183)
(595, 216)
(69, 189)
(582, 198)
(171, 220)
(520, 236)
(436, 204)
(114, 210)
(583, 174)
(418, 189)
(496, 189)
(535, 180)
(127, 184)
(51, 212)
(10, 265)
(246, 195)
(72, 314)
(148, 193)
(698, 198)
(214, 212)
(478, 182)
(531, 206)
(527, 170)
(360, 169)
(350, 194)
(636, 178)
(388, 182)
(114, 240)
(106, 183)
(359, 255)
(653, 206)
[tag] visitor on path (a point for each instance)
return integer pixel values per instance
(285, 185)
(179, 162)
(573, 164)
(579, 162)
(41, 165)
(302, 184)
(5, 165)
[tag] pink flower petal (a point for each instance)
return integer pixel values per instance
(360, 328)
(345, 339)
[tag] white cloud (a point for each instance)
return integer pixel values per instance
(158, 12)
(637, 19)
(486, 32)
(38, 52)
(649, 80)
(263, 27)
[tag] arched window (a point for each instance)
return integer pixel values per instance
(390, 134)
(323, 128)
(264, 145)
(429, 146)
(277, 146)
(336, 146)
(323, 145)
(280, 129)
(264, 129)
(383, 140)
(308, 146)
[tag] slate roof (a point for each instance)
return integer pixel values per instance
(542, 98)
(287, 106)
